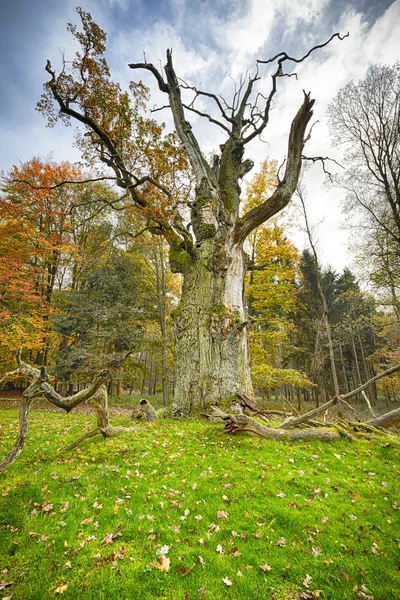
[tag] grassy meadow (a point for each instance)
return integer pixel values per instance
(181, 511)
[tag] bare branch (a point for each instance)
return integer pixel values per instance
(322, 160)
(286, 188)
(283, 56)
(62, 183)
(207, 116)
(185, 86)
(365, 385)
(149, 67)
(159, 108)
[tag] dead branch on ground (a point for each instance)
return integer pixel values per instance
(306, 427)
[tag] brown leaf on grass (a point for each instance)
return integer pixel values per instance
(86, 521)
(362, 596)
(5, 584)
(281, 542)
(111, 537)
(61, 588)
(265, 568)
(64, 507)
(221, 514)
(163, 563)
(324, 520)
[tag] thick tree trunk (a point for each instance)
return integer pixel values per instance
(212, 359)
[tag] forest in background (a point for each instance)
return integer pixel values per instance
(81, 292)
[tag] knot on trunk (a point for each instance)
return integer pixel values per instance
(245, 167)
(225, 322)
(204, 222)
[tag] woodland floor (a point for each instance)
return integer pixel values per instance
(182, 511)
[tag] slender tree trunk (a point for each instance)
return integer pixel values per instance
(298, 393)
(162, 314)
(356, 361)
(317, 397)
(344, 368)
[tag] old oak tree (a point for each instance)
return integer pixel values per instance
(207, 247)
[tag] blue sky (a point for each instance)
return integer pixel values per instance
(213, 42)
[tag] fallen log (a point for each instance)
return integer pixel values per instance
(99, 400)
(244, 424)
(39, 387)
(309, 427)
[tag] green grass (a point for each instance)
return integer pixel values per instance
(334, 504)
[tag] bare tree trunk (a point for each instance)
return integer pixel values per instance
(210, 322)
(344, 368)
(356, 360)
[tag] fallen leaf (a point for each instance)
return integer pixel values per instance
(61, 588)
(226, 581)
(307, 580)
(111, 537)
(221, 514)
(219, 549)
(324, 520)
(163, 550)
(5, 584)
(281, 542)
(265, 568)
(164, 563)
